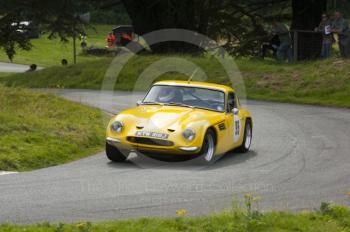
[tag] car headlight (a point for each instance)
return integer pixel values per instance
(189, 134)
(117, 126)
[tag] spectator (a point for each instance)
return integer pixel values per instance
(272, 45)
(221, 52)
(341, 27)
(284, 49)
(111, 40)
(32, 68)
(126, 37)
(327, 36)
(83, 39)
(64, 62)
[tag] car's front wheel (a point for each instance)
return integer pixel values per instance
(247, 139)
(208, 148)
(114, 154)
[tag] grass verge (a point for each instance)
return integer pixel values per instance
(39, 130)
(325, 82)
(330, 219)
(4, 74)
(49, 52)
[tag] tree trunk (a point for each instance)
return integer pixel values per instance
(307, 16)
(307, 13)
(153, 15)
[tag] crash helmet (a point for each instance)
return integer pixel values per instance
(166, 94)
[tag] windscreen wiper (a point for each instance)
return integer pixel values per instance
(151, 103)
(179, 104)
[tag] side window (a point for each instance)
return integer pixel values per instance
(231, 102)
(237, 102)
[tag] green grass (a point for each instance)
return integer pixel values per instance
(319, 82)
(46, 52)
(335, 220)
(325, 82)
(39, 130)
(4, 74)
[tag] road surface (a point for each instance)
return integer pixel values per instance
(299, 158)
(14, 68)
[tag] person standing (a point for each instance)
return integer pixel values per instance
(341, 27)
(83, 39)
(111, 40)
(272, 45)
(325, 28)
(284, 49)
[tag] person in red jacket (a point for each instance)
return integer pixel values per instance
(111, 40)
(126, 37)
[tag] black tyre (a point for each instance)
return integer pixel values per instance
(247, 139)
(114, 154)
(207, 153)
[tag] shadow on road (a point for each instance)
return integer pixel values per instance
(233, 158)
(142, 162)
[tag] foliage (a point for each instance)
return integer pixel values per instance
(115, 15)
(233, 220)
(341, 5)
(10, 38)
(59, 18)
(49, 52)
(307, 13)
(239, 26)
(244, 25)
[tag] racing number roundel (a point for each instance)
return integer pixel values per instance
(236, 128)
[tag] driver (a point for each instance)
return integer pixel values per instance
(168, 94)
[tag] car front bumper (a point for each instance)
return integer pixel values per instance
(132, 146)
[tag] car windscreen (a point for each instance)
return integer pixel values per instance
(186, 96)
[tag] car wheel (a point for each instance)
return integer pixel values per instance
(114, 154)
(207, 153)
(247, 139)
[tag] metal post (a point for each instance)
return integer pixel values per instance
(74, 50)
(295, 46)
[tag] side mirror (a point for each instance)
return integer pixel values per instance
(235, 111)
(139, 102)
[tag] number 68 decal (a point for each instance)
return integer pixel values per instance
(236, 128)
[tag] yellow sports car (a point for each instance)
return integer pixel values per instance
(181, 118)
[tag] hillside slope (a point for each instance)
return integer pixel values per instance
(324, 82)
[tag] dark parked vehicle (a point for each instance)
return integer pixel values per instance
(28, 28)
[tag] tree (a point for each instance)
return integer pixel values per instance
(240, 25)
(307, 13)
(148, 16)
(58, 18)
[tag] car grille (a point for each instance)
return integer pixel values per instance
(149, 141)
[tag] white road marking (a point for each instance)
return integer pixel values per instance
(6, 173)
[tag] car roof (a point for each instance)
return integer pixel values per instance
(196, 84)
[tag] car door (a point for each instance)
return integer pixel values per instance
(233, 121)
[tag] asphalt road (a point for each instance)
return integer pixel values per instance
(14, 68)
(9, 67)
(300, 157)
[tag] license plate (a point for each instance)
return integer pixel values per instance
(151, 134)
